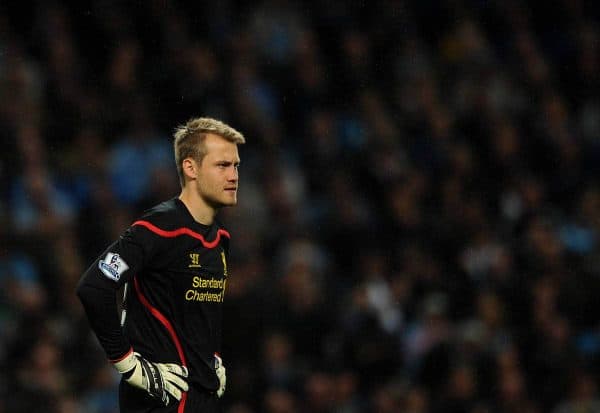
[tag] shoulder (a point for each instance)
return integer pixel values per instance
(161, 222)
(170, 220)
(165, 216)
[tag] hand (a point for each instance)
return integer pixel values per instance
(161, 380)
(220, 370)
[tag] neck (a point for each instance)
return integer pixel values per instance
(199, 209)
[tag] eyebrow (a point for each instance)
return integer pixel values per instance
(226, 162)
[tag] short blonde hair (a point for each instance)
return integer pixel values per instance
(189, 140)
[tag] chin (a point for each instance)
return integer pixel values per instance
(229, 202)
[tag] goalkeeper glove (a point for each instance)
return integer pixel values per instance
(220, 370)
(160, 380)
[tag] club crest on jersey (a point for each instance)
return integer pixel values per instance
(113, 266)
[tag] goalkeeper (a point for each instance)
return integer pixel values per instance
(172, 265)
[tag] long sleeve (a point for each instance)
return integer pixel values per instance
(98, 297)
(100, 283)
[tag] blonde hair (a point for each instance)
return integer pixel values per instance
(189, 140)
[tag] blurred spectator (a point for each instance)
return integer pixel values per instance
(583, 396)
(280, 401)
(143, 146)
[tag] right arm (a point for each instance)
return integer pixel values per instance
(98, 287)
(98, 297)
(97, 291)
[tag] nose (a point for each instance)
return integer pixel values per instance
(233, 174)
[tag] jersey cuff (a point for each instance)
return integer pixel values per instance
(123, 357)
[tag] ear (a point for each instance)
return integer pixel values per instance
(190, 169)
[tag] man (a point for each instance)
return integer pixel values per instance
(173, 264)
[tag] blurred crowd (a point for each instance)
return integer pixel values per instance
(419, 220)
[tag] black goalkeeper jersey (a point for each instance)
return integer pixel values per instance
(176, 275)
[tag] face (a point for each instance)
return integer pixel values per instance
(217, 181)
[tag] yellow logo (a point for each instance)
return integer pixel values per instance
(224, 263)
(194, 261)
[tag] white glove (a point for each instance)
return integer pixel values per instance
(220, 370)
(161, 380)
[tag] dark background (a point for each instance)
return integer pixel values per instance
(419, 215)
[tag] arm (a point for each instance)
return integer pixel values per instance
(98, 297)
(99, 284)
(97, 291)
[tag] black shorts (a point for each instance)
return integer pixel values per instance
(134, 400)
